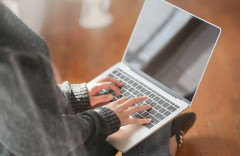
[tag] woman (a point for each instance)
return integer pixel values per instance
(39, 117)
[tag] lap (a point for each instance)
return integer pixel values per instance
(155, 145)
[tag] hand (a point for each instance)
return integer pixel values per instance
(124, 107)
(103, 83)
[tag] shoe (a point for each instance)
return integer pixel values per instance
(180, 126)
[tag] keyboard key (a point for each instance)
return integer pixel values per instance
(118, 74)
(140, 94)
(159, 116)
(145, 114)
(177, 106)
(156, 98)
(157, 94)
(162, 110)
(126, 79)
(154, 92)
(102, 91)
(122, 91)
(115, 71)
(154, 120)
(136, 115)
(149, 89)
(153, 104)
(140, 103)
(136, 92)
(141, 111)
(157, 107)
(148, 101)
(167, 113)
(111, 75)
(131, 89)
(127, 94)
(138, 87)
(148, 92)
(130, 96)
(122, 77)
(131, 82)
(150, 125)
(126, 86)
(135, 84)
(151, 96)
(152, 111)
(171, 108)
(143, 90)
(165, 105)
(141, 117)
(161, 102)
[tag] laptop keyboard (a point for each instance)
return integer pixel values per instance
(161, 106)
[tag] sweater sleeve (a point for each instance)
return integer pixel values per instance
(30, 113)
(31, 102)
(76, 97)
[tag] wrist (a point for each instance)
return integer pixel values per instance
(110, 118)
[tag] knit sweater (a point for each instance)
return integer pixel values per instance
(37, 116)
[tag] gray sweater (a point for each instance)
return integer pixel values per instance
(37, 116)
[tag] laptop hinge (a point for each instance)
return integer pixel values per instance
(182, 102)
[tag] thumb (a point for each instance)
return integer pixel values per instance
(101, 98)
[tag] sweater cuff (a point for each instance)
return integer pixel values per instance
(111, 119)
(80, 100)
(76, 96)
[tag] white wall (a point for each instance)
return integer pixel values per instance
(30, 11)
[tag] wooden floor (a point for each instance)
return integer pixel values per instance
(80, 55)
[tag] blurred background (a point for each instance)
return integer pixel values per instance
(80, 52)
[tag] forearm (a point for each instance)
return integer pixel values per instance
(31, 103)
(30, 114)
(38, 132)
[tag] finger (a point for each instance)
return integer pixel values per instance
(101, 98)
(110, 79)
(121, 100)
(105, 85)
(133, 101)
(139, 121)
(138, 108)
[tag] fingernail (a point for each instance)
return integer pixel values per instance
(121, 83)
(110, 96)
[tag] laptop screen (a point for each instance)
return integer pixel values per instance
(171, 46)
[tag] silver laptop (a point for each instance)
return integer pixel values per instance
(165, 59)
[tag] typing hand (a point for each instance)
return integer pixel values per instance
(104, 83)
(124, 107)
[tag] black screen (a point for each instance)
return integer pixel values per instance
(172, 46)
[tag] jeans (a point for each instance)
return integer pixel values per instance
(155, 145)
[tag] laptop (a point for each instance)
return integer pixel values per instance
(165, 60)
